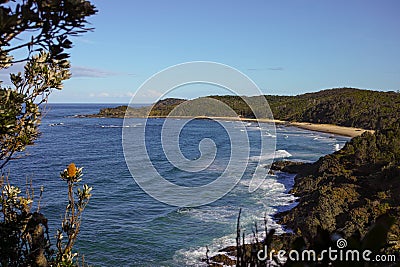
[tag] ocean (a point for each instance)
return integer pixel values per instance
(124, 226)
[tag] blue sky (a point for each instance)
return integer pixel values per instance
(286, 47)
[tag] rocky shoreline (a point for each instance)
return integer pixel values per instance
(345, 193)
(120, 112)
(227, 256)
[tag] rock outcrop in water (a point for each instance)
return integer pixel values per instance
(120, 112)
(161, 108)
(290, 166)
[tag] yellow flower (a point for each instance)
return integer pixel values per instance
(72, 170)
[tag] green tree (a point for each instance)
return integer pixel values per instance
(40, 30)
(43, 28)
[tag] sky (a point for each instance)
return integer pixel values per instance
(285, 47)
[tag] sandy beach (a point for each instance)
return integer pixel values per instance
(330, 128)
(325, 128)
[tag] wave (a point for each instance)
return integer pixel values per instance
(324, 139)
(221, 214)
(121, 126)
(195, 256)
(281, 153)
(270, 185)
(56, 124)
(336, 147)
(253, 128)
(271, 194)
(269, 135)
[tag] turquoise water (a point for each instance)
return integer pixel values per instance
(122, 225)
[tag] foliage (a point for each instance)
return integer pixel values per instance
(341, 106)
(19, 107)
(43, 28)
(350, 189)
(164, 107)
(24, 234)
(50, 24)
(73, 215)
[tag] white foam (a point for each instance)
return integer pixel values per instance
(269, 135)
(253, 128)
(194, 256)
(325, 139)
(278, 154)
(222, 214)
(56, 124)
(282, 154)
(267, 199)
(121, 126)
(268, 184)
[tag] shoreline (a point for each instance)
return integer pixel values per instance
(318, 127)
(331, 128)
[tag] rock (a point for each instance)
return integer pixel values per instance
(290, 166)
(222, 259)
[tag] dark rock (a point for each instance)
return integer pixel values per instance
(290, 166)
(222, 259)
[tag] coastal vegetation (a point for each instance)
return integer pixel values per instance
(44, 29)
(349, 107)
(347, 191)
(161, 108)
(351, 194)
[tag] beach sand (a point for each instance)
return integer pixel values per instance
(330, 128)
(325, 128)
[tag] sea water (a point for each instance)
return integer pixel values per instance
(122, 225)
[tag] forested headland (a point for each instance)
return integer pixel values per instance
(349, 107)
